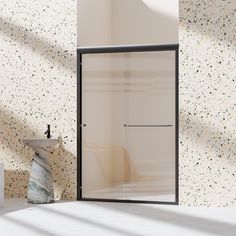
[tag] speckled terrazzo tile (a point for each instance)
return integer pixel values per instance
(38, 87)
(207, 103)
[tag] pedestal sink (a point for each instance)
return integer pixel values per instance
(40, 188)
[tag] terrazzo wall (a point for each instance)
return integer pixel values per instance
(207, 102)
(38, 87)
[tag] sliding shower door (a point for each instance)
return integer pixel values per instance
(128, 123)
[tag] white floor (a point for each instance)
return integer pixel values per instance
(147, 190)
(18, 218)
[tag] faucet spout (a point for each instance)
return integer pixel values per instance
(48, 132)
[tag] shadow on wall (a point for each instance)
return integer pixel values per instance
(16, 183)
(13, 130)
(219, 142)
(211, 18)
(207, 132)
(38, 44)
(64, 178)
(141, 24)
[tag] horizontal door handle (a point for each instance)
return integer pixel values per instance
(135, 125)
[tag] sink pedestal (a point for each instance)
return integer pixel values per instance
(40, 188)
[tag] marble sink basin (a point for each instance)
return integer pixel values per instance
(40, 143)
(40, 188)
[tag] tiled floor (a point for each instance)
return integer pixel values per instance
(18, 218)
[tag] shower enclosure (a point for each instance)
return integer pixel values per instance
(128, 123)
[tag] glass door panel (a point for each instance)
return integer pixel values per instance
(128, 126)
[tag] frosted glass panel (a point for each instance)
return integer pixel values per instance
(128, 126)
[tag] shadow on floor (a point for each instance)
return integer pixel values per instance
(147, 212)
(89, 222)
(11, 205)
(196, 223)
(28, 226)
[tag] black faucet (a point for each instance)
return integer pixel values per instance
(48, 132)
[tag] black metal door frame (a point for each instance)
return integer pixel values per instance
(122, 49)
